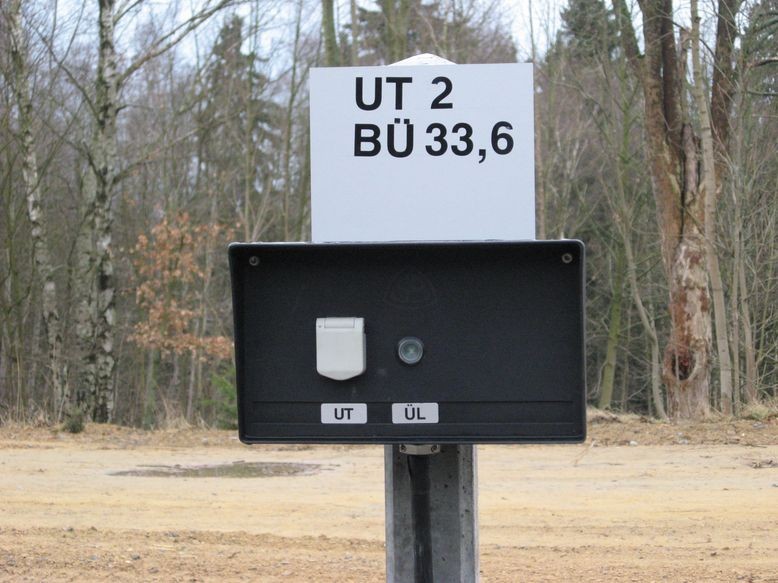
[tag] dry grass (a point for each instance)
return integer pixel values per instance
(761, 411)
(595, 416)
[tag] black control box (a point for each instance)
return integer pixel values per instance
(463, 342)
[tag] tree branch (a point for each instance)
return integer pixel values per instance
(722, 84)
(627, 36)
(126, 9)
(763, 62)
(172, 38)
(61, 63)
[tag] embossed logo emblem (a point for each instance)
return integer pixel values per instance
(411, 289)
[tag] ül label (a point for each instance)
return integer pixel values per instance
(414, 412)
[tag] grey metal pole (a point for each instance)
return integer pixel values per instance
(453, 513)
(419, 472)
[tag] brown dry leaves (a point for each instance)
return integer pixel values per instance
(172, 277)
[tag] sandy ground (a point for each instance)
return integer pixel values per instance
(637, 502)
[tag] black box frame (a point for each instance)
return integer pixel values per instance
(502, 325)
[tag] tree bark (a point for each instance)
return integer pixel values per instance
(646, 321)
(331, 52)
(750, 388)
(354, 9)
(734, 310)
(396, 16)
(540, 184)
(150, 394)
(4, 383)
(709, 184)
(289, 122)
(723, 86)
(35, 214)
(303, 192)
(672, 155)
(84, 292)
(614, 333)
(97, 304)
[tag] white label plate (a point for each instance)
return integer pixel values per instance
(470, 174)
(348, 413)
(414, 412)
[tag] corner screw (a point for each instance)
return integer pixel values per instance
(434, 448)
(567, 258)
(402, 448)
(253, 260)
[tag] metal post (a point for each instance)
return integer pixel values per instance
(419, 473)
(453, 516)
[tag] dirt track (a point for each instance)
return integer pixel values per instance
(693, 503)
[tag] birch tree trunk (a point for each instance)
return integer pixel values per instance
(96, 316)
(39, 230)
(84, 293)
(105, 171)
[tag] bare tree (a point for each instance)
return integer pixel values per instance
(673, 160)
(32, 183)
(96, 315)
(711, 171)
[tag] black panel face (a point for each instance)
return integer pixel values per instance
(502, 326)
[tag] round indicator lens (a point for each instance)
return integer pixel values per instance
(410, 350)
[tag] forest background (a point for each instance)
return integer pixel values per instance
(138, 139)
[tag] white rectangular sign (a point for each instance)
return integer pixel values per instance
(414, 412)
(438, 152)
(344, 413)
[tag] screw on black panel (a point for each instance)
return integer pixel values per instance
(253, 260)
(567, 258)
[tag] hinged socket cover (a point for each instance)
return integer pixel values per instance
(340, 347)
